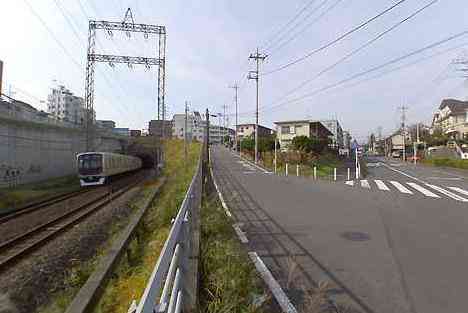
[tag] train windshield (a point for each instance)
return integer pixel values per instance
(89, 164)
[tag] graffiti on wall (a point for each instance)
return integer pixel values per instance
(10, 174)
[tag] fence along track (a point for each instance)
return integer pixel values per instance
(172, 286)
(14, 249)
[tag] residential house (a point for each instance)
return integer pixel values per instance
(452, 118)
(248, 130)
(336, 139)
(287, 130)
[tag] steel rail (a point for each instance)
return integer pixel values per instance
(43, 233)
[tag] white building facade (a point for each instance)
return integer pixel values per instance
(63, 105)
(196, 128)
(334, 126)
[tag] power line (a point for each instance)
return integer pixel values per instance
(285, 34)
(318, 18)
(308, 55)
(267, 45)
(375, 68)
(68, 54)
(355, 51)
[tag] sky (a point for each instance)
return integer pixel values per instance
(44, 43)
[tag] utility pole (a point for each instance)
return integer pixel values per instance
(185, 135)
(403, 129)
(207, 136)
(255, 75)
(224, 122)
(236, 88)
(219, 129)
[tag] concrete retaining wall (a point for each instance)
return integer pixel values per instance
(32, 152)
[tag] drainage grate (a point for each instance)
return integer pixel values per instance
(355, 236)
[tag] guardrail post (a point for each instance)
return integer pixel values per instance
(286, 169)
(297, 169)
(334, 173)
(315, 172)
(349, 174)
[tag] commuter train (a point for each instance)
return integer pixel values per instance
(97, 168)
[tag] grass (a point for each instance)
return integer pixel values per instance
(229, 282)
(132, 275)
(324, 163)
(445, 162)
(130, 278)
(11, 198)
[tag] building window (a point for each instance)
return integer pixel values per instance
(285, 129)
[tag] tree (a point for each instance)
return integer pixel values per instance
(302, 144)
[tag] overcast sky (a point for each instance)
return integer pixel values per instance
(208, 44)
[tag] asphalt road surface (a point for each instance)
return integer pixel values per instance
(397, 245)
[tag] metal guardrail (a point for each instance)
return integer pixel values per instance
(173, 282)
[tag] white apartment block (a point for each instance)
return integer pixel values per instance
(63, 105)
(196, 128)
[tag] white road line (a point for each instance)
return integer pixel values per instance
(365, 184)
(350, 182)
(447, 193)
(275, 288)
(403, 173)
(400, 187)
(223, 203)
(240, 233)
(423, 190)
(381, 185)
(462, 191)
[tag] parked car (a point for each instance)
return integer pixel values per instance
(395, 154)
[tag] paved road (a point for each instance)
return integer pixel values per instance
(379, 250)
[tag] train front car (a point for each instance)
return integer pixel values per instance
(98, 168)
(90, 169)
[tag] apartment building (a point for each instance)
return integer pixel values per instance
(336, 138)
(63, 105)
(452, 118)
(287, 130)
(248, 130)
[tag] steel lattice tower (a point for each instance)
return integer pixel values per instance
(128, 26)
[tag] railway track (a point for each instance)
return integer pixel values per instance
(17, 247)
(5, 217)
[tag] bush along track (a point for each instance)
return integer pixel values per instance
(132, 273)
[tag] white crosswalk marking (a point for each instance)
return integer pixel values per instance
(365, 184)
(381, 185)
(423, 190)
(462, 191)
(447, 193)
(400, 187)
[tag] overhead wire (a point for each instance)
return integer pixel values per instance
(269, 41)
(308, 25)
(285, 34)
(375, 68)
(355, 51)
(331, 43)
